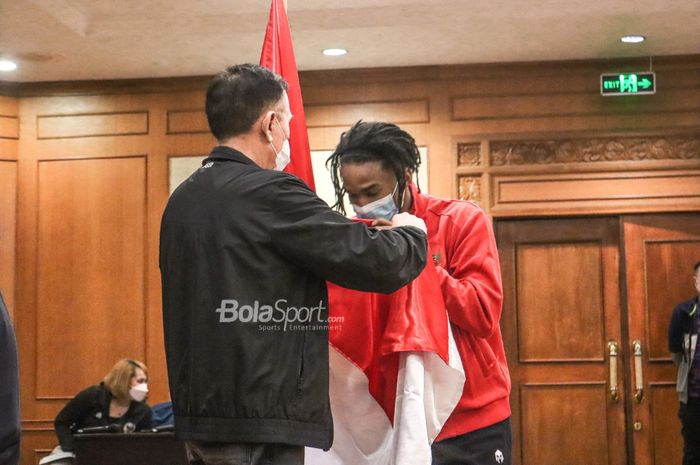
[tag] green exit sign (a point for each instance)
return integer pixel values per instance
(627, 84)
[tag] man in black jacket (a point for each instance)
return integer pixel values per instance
(683, 344)
(245, 254)
(9, 391)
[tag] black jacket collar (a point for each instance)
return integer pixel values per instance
(223, 153)
(687, 307)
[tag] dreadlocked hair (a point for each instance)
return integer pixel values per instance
(366, 142)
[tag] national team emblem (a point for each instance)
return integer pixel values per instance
(499, 456)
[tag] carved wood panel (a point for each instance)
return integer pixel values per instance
(595, 150)
(469, 154)
(578, 175)
(470, 188)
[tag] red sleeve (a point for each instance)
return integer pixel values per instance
(471, 285)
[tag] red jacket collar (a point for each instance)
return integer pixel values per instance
(420, 203)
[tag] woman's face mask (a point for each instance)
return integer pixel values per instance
(381, 209)
(139, 392)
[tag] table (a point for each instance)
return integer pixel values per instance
(129, 449)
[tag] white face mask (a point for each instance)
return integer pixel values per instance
(284, 156)
(138, 392)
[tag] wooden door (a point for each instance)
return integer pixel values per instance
(561, 310)
(660, 251)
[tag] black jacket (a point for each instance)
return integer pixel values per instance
(9, 391)
(682, 341)
(245, 254)
(90, 408)
(682, 323)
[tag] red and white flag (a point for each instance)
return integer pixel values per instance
(395, 374)
(278, 56)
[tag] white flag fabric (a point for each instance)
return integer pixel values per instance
(427, 390)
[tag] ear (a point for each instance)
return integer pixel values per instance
(408, 176)
(266, 123)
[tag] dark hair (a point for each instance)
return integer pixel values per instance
(696, 267)
(237, 97)
(366, 142)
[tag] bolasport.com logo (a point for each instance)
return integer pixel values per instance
(279, 316)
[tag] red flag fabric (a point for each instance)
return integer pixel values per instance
(278, 56)
(411, 319)
(395, 374)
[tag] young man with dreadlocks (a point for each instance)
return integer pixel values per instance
(374, 164)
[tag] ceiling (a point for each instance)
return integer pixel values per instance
(54, 40)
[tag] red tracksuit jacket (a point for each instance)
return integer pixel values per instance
(462, 244)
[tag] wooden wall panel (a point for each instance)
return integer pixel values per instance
(187, 122)
(9, 127)
(597, 187)
(668, 442)
(9, 136)
(556, 271)
(347, 114)
(560, 194)
(319, 116)
(90, 281)
(9, 124)
(551, 311)
(651, 244)
(557, 104)
(8, 221)
(82, 125)
(544, 406)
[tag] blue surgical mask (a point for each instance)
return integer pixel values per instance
(381, 209)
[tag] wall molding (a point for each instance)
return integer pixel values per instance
(595, 150)
(9, 127)
(72, 126)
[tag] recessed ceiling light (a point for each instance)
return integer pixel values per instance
(632, 39)
(335, 52)
(7, 65)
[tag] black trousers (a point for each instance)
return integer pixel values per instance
(210, 453)
(487, 446)
(690, 420)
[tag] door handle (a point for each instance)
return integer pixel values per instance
(613, 353)
(638, 374)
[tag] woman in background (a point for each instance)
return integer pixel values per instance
(117, 402)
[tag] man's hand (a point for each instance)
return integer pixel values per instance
(381, 224)
(406, 219)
